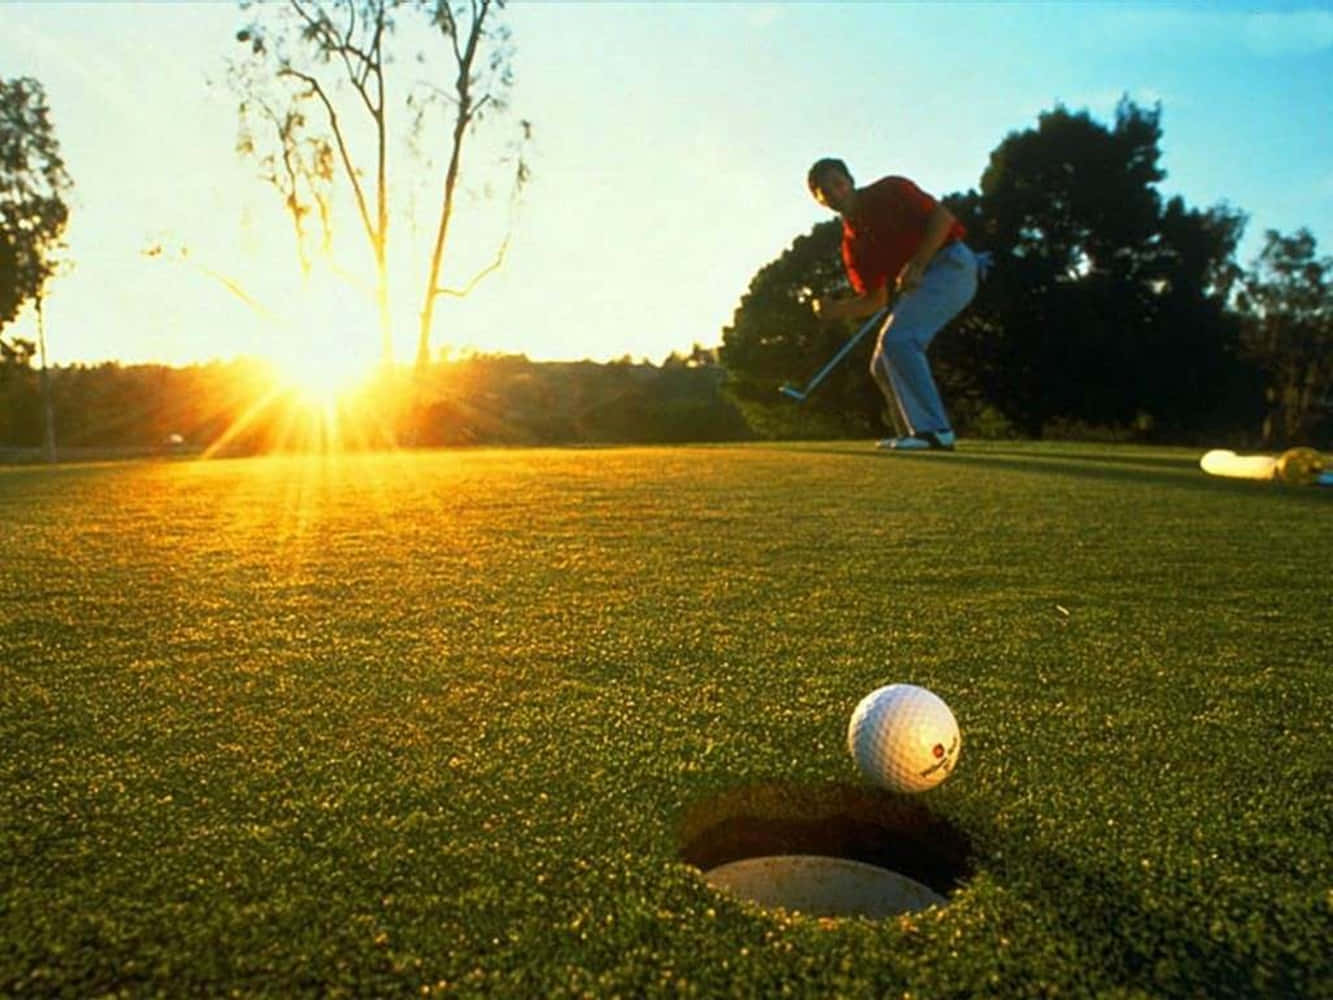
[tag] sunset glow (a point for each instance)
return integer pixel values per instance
(621, 247)
(325, 343)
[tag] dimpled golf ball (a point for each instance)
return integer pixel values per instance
(904, 738)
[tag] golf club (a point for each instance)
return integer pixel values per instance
(800, 395)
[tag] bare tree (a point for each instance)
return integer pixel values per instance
(315, 106)
(301, 167)
(483, 74)
(305, 57)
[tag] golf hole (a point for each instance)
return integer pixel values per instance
(830, 851)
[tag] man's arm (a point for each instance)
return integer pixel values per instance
(938, 225)
(937, 231)
(830, 308)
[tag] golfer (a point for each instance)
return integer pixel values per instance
(896, 238)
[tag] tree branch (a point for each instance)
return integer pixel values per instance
(348, 166)
(477, 278)
(359, 64)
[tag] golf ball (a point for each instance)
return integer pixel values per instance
(904, 738)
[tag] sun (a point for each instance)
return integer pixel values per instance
(325, 342)
(320, 381)
(323, 390)
(324, 375)
(326, 385)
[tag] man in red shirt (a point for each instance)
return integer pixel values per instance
(899, 241)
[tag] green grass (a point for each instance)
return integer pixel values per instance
(427, 724)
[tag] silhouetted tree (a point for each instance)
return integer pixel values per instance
(774, 338)
(1072, 207)
(1289, 334)
(1105, 307)
(1200, 385)
(33, 213)
(33, 182)
(19, 425)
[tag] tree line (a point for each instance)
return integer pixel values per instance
(1109, 310)
(246, 407)
(334, 97)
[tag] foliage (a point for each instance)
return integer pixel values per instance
(245, 407)
(774, 338)
(16, 356)
(1289, 335)
(21, 415)
(1072, 196)
(265, 735)
(33, 182)
(1105, 307)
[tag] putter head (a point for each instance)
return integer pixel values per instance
(792, 393)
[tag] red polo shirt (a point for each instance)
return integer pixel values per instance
(888, 226)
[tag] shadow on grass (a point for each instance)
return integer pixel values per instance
(1139, 936)
(1176, 473)
(1136, 469)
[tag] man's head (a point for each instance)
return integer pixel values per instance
(831, 184)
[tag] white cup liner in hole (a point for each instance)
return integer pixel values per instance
(823, 886)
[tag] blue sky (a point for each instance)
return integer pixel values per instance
(670, 146)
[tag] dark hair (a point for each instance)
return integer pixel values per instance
(822, 167)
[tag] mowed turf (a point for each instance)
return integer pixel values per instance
(429, 723)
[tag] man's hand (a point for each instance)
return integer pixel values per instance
(830, 309)
(910, 276)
